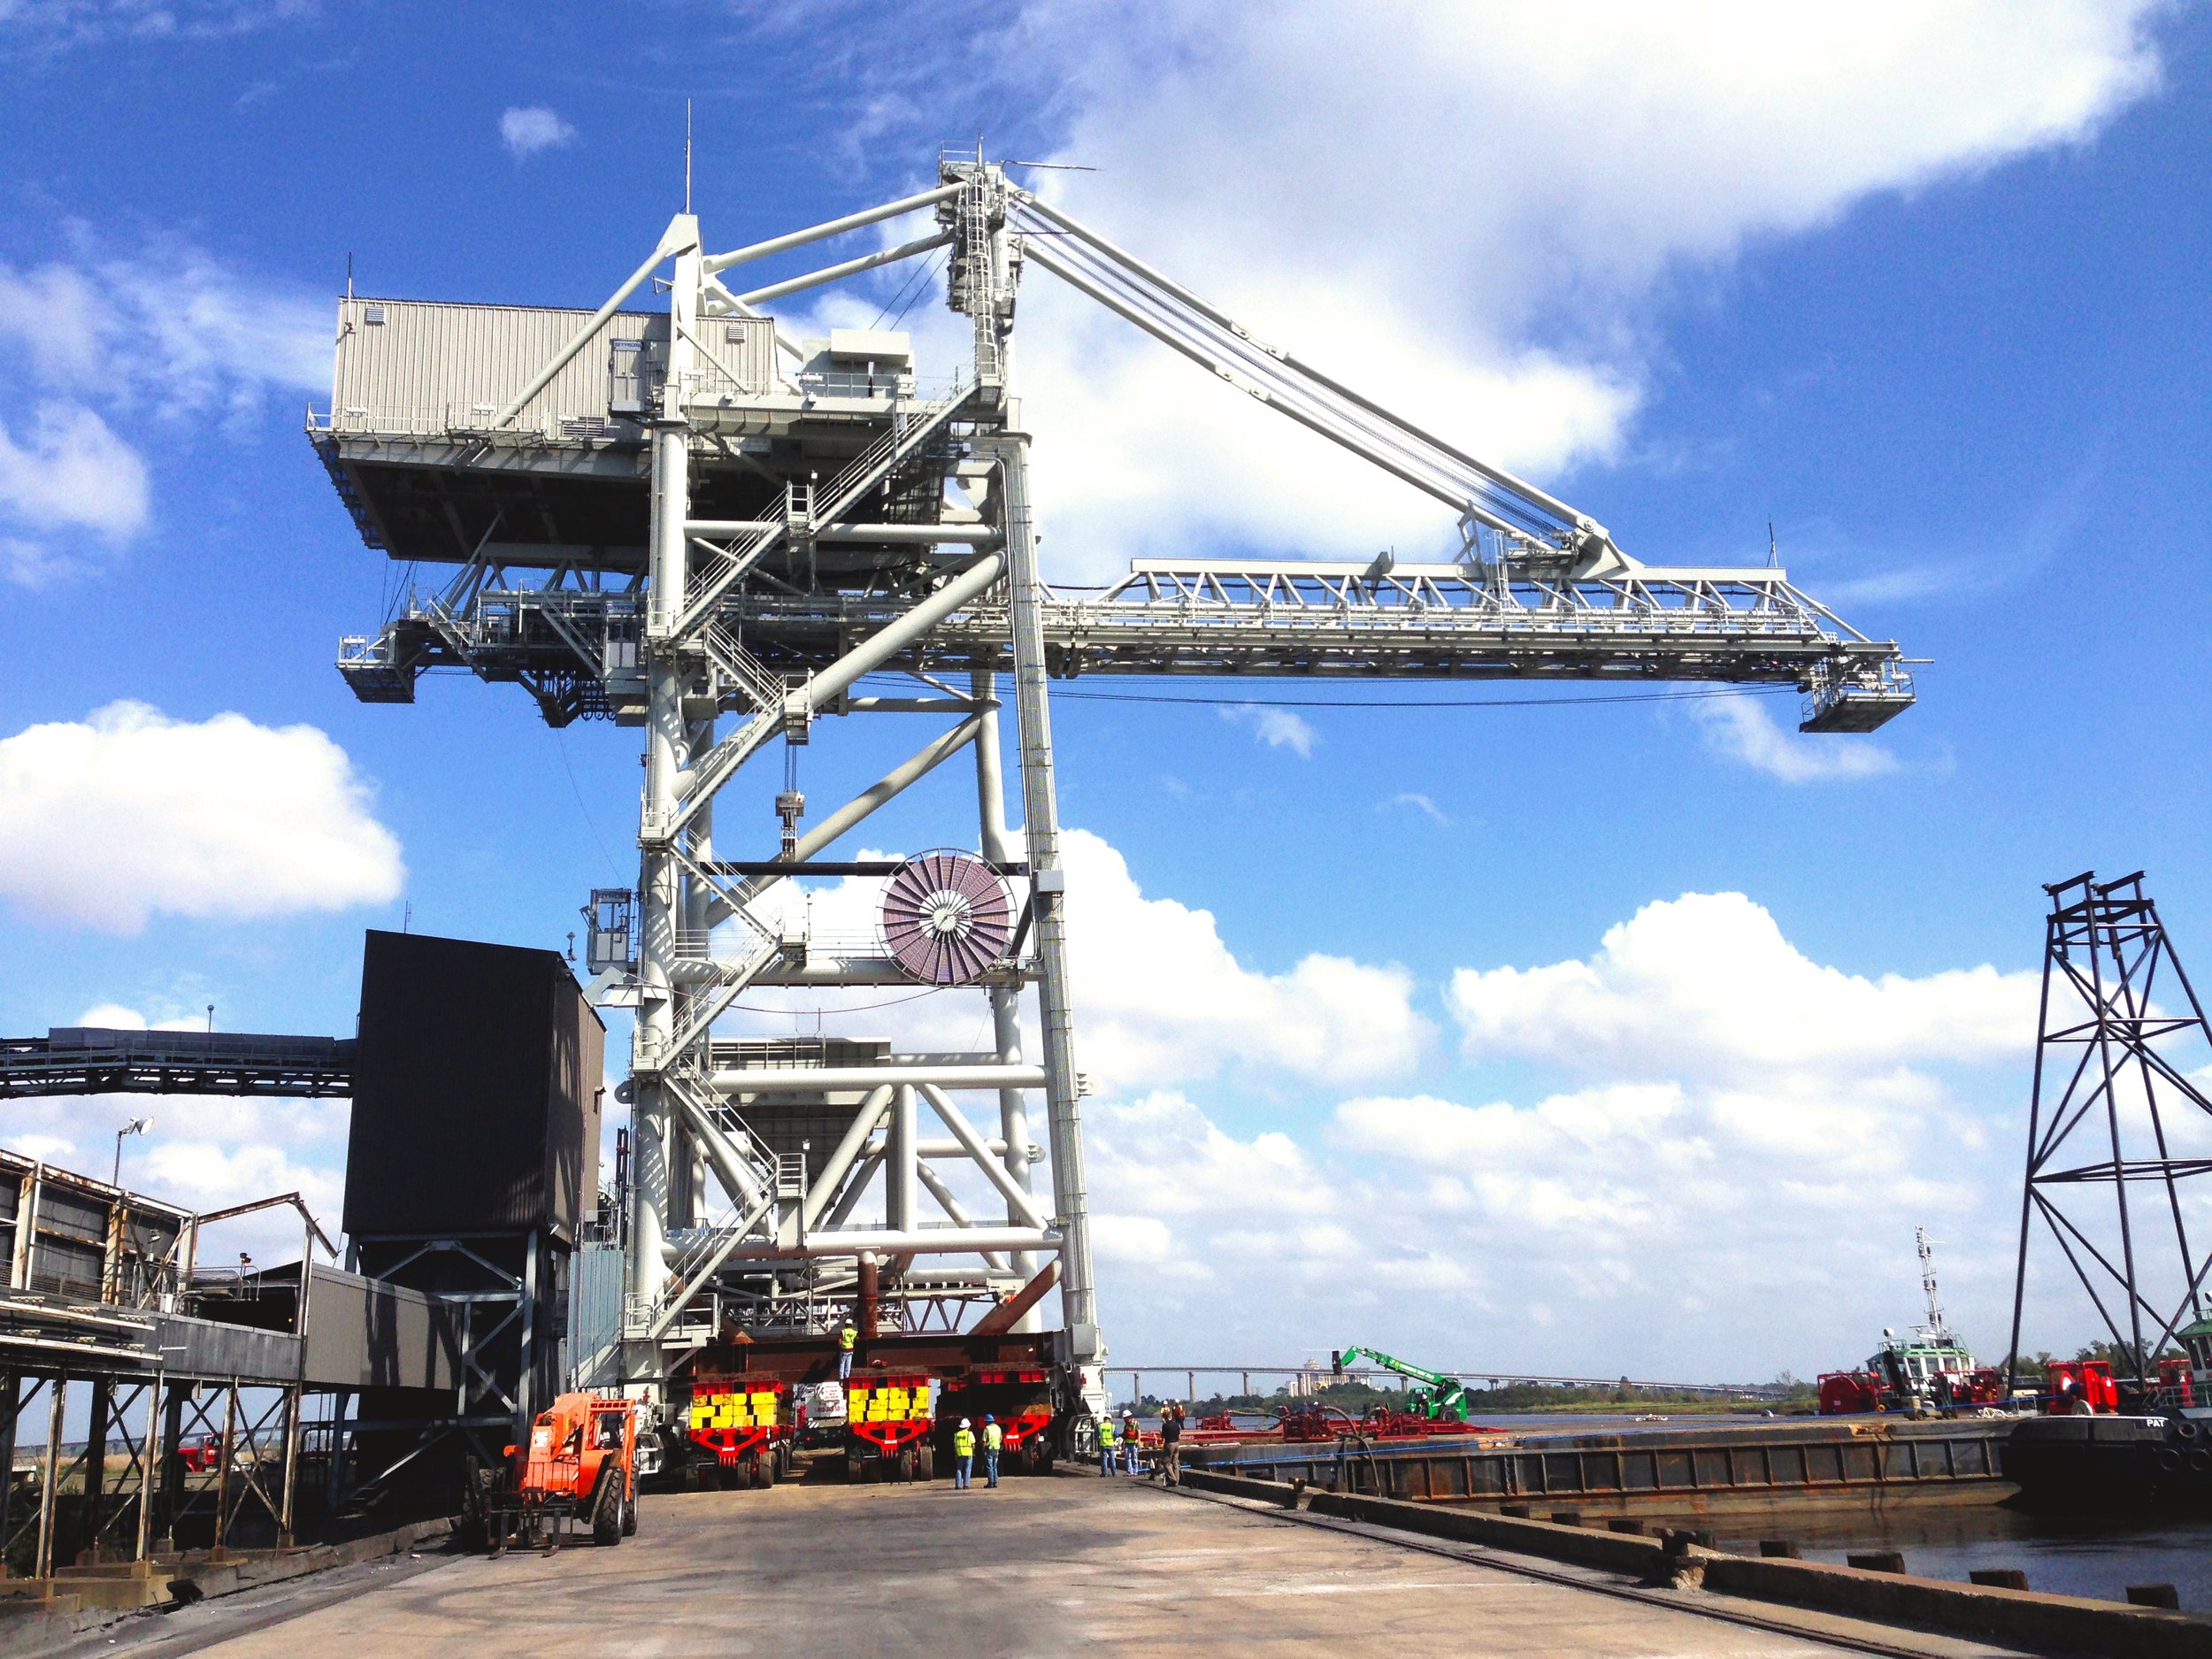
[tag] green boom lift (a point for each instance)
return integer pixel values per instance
(1439, 1398)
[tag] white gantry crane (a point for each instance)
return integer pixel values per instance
(687, 521)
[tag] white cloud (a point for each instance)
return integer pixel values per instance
(527, 131)
(1741, 728)
(49, 25)
(71, 470)
(1469, 212)
(106, 822)
(117, 1016)
(1709, 977)
(1729, 1187)
(207, 1153)
(1420, 804)
(163, 335)
(163, 329)
(1277, 728)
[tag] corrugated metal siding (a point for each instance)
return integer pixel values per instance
(431, 367)
(594, 1320)
(746, 346)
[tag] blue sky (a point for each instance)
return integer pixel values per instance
(1926, 294)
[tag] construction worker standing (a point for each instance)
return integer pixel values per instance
(994, 1442)
(1132, 1440)
(963, 1455)
(1106, 1444)
(1172, 1442)
(846, 1337)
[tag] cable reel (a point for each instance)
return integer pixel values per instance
(948, 917)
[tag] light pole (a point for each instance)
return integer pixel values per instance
(136, 1126)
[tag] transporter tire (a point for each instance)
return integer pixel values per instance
(606, 1511)
(925, 1463)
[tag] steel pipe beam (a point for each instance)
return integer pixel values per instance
(718, 262)
(920, 1241)
(851, 267)
(1018, 1202)
(895, 636)
(818, 1079)
(969, 534)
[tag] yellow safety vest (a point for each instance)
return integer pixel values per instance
(964, 1442)
(1106, 1431)
(993, 1437)
(846, 1338)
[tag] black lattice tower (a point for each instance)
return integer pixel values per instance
(2119, 1032)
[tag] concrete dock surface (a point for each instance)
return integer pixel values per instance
(1062, 1565)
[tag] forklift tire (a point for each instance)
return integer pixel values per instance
(606, 1512)
(629, 1516)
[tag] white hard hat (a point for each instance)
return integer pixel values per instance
(963, 1423)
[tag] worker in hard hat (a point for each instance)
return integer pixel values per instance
(846, 1337)
(1106, 1444)
(1132, 1440)
(963, 1453)
(994, 1442)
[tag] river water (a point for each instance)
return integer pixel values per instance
(2062, 1555)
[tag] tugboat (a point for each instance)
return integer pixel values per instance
(1932, 1372)
(2117, 1445)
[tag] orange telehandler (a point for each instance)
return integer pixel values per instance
(580, 1462)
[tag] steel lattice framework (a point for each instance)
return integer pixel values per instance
(2121, 1044)
(686, 522)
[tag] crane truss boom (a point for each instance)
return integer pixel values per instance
(1229, 619)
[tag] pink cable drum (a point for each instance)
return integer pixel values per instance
(946, 917)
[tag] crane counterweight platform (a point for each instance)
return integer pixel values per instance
(687, 521)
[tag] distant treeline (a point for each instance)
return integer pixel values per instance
(1786, 1394)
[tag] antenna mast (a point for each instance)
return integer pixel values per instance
(1936, 1331)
